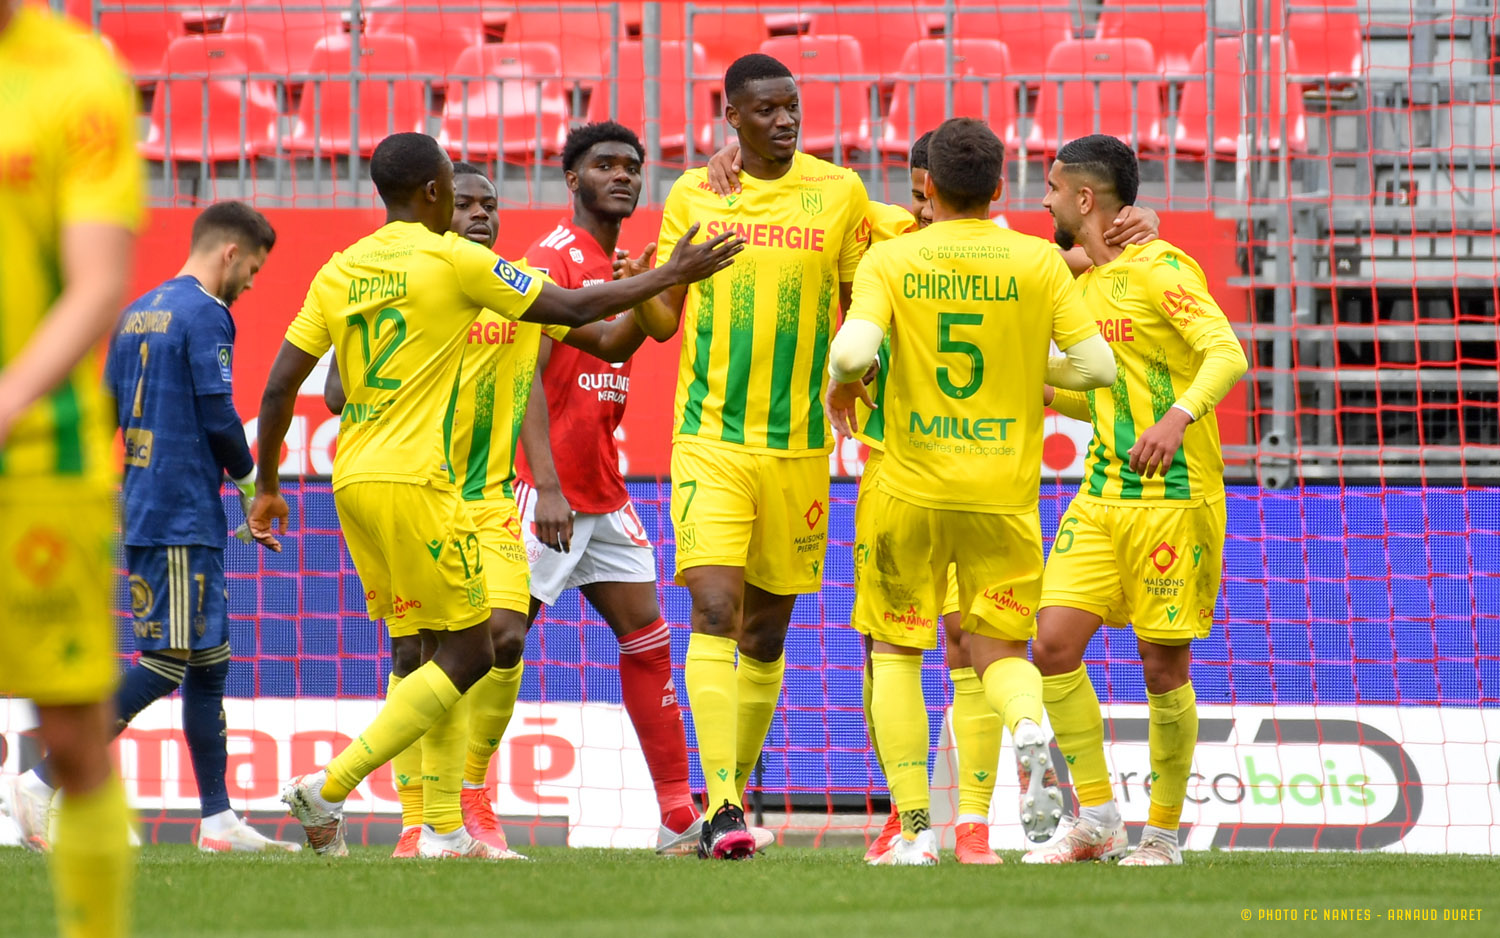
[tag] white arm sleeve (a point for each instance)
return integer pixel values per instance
(1086, 364)
(854, 348)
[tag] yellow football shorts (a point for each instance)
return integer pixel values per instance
(766, 514)
(416, 550)
(503, 551)
(862, 520)
(57, 637)
(1156, 568)
(902, 560)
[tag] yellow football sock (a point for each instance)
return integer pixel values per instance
(1073, 709)
(93, 864)
(492, 701)
(976, 731)
(1173, 735)
(406, 766)
(900, 713)
(1013, 687)
(865, 688)
(713, 696)
(412, 707)
(444, 748)
(759, 689)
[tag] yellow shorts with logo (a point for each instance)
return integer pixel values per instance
(904, 554)
(57, 636)
(503, 551)
(1153, 567)
(862, 519)
(766, 514)
(416, 550)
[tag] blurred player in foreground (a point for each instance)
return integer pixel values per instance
(170, 368)
(1143, 540)
(962, 465)
(70, 204)
(400, 304)
(581, 530)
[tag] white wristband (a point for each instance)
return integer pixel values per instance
(1184, 409)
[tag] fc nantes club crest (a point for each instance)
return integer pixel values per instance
(812, 201)
(1119, 284)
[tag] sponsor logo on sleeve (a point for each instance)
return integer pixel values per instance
(226, 363)
(512, 277)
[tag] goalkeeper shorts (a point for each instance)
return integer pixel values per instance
(177, 597)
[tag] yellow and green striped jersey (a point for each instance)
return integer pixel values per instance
(1153, 306)
(886, 222)
(67, 157)
(493, 390)
(755, 336)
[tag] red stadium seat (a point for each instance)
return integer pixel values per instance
(289, 37)
(1028, 34)
(1067, 108)
(883, 37)
(630, 108)
(1330, 46)
(1227, 107)
(141, 37)
(723, 36)
(387, 105)
(917, 105)
(512, 103)
(833, 111)
(586, 36)
(197, 118)
(1173, 33)
(441, 37)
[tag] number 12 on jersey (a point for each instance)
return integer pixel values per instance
(394, 336)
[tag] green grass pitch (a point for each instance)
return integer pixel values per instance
(797, 892)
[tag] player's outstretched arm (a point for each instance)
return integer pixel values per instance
(661, 316)
(614, 341)
(688, 264)
(334, 397)
(553, 516)
(849, 359)
(1087, 363)
(268, 513)
(96, 269)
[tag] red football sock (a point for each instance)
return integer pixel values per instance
(651, 700)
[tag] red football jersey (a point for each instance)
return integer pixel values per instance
(585, 395)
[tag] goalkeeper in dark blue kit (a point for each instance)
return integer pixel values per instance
(169, 369)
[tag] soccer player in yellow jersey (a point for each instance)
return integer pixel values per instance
(400, 304)
(1142, 542)
(750, 443)
(970, 309)
(70, 204)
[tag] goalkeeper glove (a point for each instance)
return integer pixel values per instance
(247, 495)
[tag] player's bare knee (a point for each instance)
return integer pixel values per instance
(762, 641)
(1164, 667)
(77, 743)
(716, 614)
(507, 637)
(406, 654)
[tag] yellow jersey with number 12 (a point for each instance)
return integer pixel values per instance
(398, 305)
(1153, 306)
(755, 336)
(493, 391)
(970, 309)
(67, 156)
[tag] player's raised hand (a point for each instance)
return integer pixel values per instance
(693, 262)
(1153, 451)
(268, 517)
(724, 170)
(839, 405)
(1134, 225)
(627, 266)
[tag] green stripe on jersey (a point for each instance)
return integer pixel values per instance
(67, 428)
(448, 422)
(875, 422)
(1130, 480)
(741, 353)
(703, 342)
(476, 472)
(817, 380)
(784, 359)
(1177, 483)
(520, 401)
(1099, 475)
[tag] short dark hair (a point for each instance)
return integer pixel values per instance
(1105, 160)
(582, 139)
(753, 67)
(919, 151)
(403, 163)
(233, 221)
(462, 168)
(965, 162)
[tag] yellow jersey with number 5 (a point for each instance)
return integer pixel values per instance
(67, 157)
(970, 310)
(397, 305)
